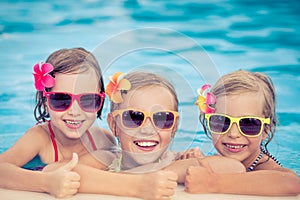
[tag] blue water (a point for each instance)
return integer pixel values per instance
(189, 42)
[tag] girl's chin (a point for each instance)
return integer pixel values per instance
(73, 134)
(143, 156)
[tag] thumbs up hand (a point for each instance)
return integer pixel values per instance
(63, 182)
(158, 185)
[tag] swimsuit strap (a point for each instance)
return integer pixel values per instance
(91, 140)
(271, 156)
(255, 162)
(263, 151)
(52, 136)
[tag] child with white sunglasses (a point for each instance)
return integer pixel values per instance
(239, 115)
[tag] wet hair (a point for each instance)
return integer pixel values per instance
(139, 79)
(68, 61)
(240, 82)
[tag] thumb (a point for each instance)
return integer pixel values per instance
(203, 162)
(172, 176)
(72, 163)
(197, 152)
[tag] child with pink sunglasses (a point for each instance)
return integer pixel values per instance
(69, 98)
(239, 115)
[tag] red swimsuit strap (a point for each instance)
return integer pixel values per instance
(91, 140)
(52, 136)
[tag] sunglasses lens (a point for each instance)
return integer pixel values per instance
(250, 126)
(219, 123)
(163, 120)
(90, 102)
(132, 119)
(60, 101)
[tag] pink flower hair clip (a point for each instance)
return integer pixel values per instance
(205, 99)
(116, 84)
(42, 78)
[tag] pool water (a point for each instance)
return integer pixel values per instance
(189, 42)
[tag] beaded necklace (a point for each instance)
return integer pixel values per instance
(259, 157)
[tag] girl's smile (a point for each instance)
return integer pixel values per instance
(234, 148)
(146, 145)
(74, 124)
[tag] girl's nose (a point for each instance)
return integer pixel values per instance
(74, 109)
(234, 132)
(148, 128)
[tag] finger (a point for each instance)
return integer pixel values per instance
(73, 176)
(197, 152)
(74, 185)
(190, 170)
(188, 155)
(205, 163)
(182, 157)
(72, 163)
(169, 192)
(172, 184)
(165, 198)
(71, 192)
(172, 176)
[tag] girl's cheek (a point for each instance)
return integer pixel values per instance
(216, 138)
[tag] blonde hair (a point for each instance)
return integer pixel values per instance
(241, 81)
(139, 79)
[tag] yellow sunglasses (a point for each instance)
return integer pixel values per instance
(249, 126)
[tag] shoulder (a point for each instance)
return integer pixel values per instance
(37, 133)
(41, 129)
(29, 145)
(268, 163)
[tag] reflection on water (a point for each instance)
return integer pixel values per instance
(235, 34)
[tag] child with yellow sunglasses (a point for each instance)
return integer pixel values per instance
(239, 116)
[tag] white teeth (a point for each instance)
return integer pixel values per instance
(74, 123)
(234, 146)
(145, 143)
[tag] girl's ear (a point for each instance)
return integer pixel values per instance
(175, 128)
(111, 124)
(265, 132)
(264, 135)
(47, 109)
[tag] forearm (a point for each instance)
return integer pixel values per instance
(263, 182)
(103, 182)
(13, 177)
